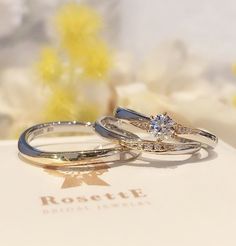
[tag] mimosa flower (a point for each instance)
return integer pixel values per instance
(61, 105)
(81, 57)
(234, 68)
(77, 27)
(49, 66)
(234, 100)
(96, 62)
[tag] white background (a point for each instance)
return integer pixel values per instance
(208, 27)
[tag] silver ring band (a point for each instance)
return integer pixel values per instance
(146, 123)
(109, 127)
(69, 158)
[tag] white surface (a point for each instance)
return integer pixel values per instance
(192, 202)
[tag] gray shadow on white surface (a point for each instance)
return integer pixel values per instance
(199, 157)
(147, 160)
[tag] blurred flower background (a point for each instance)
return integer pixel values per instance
(78, 60)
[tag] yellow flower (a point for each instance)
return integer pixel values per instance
(81, 56)
(79, 33)
(234, 100)
(49, 66)
(96, 61)
(234, 68)
(61, 105)
(88, 111)
(77, 26)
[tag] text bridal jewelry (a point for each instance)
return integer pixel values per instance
(110, 128)
(69, 158)
(162, 127)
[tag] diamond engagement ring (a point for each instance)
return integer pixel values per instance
(162, 127)
(113, 129)
(69, 158)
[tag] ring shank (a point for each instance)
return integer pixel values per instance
(68, 158)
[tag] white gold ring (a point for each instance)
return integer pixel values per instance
(69, 158)
(162, 127)
(110, 128)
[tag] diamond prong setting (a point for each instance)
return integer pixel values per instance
(162, 127)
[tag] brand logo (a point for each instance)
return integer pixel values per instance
(130, 194)
(74, 177)
(52, 204)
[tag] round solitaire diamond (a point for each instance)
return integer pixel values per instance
(162, 126)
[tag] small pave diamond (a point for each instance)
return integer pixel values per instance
(162, 127)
